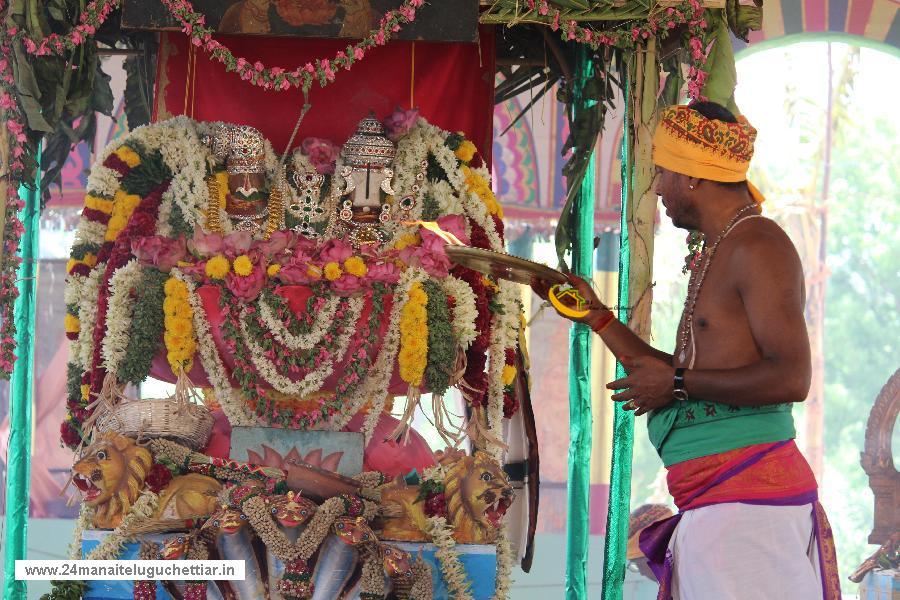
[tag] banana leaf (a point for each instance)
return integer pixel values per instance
(722, 78)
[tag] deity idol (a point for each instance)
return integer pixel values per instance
(302, 301)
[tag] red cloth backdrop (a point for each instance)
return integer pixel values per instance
(451, 84)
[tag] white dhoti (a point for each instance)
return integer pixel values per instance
(739, 551)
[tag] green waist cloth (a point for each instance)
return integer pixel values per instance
(685, 430)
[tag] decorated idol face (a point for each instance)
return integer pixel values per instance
(292, 510)
(243, 149)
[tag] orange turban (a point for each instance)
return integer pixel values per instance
(686, 142)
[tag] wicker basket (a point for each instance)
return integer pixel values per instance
(175, 418)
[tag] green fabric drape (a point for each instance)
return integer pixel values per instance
(623, 420)
(580, 422)
(18, 476)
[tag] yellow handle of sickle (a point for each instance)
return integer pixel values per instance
(564, 310)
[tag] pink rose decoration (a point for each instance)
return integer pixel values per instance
(335, 251)
(347, 284)
(321, 153)
(206, 244)
(400, 122)
(277, 243)
(295, 274)
(247, 288)
(237, 243)
(384, 272)
(162, 253)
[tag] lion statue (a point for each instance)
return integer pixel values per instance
(477, 494)
(111, 477)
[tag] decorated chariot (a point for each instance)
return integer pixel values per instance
(291, 300)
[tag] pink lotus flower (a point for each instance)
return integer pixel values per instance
(401, 122)
(161, 252)
(383, 272)
(277, 243)
(347, 284)
(322, 154)
(204, 244)
(335, 251)
(236, 243)
(247, 288)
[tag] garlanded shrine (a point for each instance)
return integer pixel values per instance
(294, 297)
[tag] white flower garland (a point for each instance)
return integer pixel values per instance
(111, 546)
(453, 572)
(233, 408)
(301, 163)
(504, 564)
(90, 232)
(103, 181)
(450, 202)
(496, 361)
(83, 349)
(465, 311)
(73, 292)
(85, 514)
(322, 321)
(375, 386)
(119, 314)
(504, 334)
(314, 380)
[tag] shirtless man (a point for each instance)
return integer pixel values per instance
(719, 407)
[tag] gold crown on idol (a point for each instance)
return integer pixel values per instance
(369, 145)
(240, 146)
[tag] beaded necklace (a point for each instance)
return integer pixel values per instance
(696, 282)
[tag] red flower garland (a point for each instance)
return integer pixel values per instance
(142, 221)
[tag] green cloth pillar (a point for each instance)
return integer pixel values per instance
(580, 422)
(18, 464)
(623, 420)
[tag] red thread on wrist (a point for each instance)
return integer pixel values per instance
(605, 322)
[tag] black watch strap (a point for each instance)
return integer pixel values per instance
(678, 390)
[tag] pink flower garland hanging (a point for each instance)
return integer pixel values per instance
(277, 78)
(11, 115)
(659, 22)
(95, 14)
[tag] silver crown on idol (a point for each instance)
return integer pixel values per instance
(241, 147)
(369, 146)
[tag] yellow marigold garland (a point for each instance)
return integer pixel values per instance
(333, 271)
(72, 324)
(480, 187)
(217, 267)
(413, 356)
(243, 266)
(97, 203)
(466, 151)
(509, 375)
(181, 344)
(128, 156)
(123, 205)
(356, 266)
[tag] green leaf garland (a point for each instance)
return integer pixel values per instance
(145, 337)
(441, 343)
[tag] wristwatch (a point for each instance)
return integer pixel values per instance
(678, 391)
